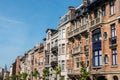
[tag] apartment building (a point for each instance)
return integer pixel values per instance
(51, 52)
(41, 61)
(1, 73)
(87, 33)
(63, 56)
(32, 60)
(93, 38)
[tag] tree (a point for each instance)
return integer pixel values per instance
(45, 72)
(24, 75)
(35, 74)
(13, 77)
(58, 71)
(19, 76)
(84, 72)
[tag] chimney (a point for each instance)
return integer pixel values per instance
(85, 2)
(71, 12)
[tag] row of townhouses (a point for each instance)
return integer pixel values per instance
(87, 33)
(4, 73)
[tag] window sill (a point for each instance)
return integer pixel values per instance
(106, 64)
(114, 66)
(112, 15)
(97, 67)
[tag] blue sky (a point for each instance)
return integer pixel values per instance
(23, 24)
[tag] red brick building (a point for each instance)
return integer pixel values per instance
(94, 38)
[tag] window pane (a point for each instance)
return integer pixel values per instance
(96, 53)
(100, 59)
(63, 33)
(96, 61)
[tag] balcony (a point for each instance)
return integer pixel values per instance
(76, 31)
(54, 64)
(76, 50)
(113, 42)
(71, 73)
(70, 34)
(96, 22)
(54, 50)
(86, 49)
(83, 28)
(54, 59)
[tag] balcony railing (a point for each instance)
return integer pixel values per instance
(54, 64)
(70, 33)
(54, 59)
(76, 31)
(95, 22)
(83, 28)
(113, 41)
(70, 71)
(54, 50)
(76, 50)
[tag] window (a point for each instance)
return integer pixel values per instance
(82, 20)
(59, 50)
(56, 43)
(105, 35)
(63, 65)
(76, 61)
(41, 61)
(63, 48)
(106, 59)
(115, 78)
(112, 7)
(114, 57)
(96, 13)
(96, 37)
(103, 10)
(97, 58)
(76, 25)
(113, 30)
(63, 33)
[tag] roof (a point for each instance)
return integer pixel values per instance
(52, 30)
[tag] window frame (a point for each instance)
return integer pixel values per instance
(76, 65)
(112, 7)
(113, 30)
(103, 8)
(97, 58)
(114, 57)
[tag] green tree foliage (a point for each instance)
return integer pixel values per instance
(58, 71)
(13, 77)
(45, 72)
(24, 75)
(35, 73)
(84, 72)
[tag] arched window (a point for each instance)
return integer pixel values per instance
(115, 78)
(96, 43)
